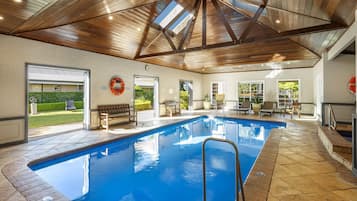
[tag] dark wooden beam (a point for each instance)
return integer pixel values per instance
(274, 8)
(164, 29)
(146, 31)
(169, 40)
(190, 25)
(282, 35)
(350, 52)
(225, 22)
(310, 30)
(253, 21)
(204, 23)
(194, 49)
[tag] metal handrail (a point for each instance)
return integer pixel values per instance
(331, 118)
(238, 172)
(323, 112)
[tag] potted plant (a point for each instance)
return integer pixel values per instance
(206, 103)
(256, 106)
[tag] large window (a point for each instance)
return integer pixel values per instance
(252, 91)
(288, 92)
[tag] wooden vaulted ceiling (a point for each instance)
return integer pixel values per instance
(223, 35)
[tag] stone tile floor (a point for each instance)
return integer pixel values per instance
(303, 169)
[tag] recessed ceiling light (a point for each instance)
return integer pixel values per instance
(110, 17)
(138, 29)
(277, 21)
(18, 1)
(1, 17)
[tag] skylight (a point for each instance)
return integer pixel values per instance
(168, 14)
(181, 22)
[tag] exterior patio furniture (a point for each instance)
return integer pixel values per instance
(172, 107)
(70, 105)
(267, 108)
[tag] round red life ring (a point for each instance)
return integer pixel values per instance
(352, 84)
(117, 86)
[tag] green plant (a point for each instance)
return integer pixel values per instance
(255, 100)
(206, 98)
(142, 105)
(55, 97)
(44, 107)
(184, 99)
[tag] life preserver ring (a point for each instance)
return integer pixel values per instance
(117, 86)
(352, 85)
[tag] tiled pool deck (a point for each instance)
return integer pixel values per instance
(295, 164)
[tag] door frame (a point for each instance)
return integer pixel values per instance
(157, 112)
(88, 110)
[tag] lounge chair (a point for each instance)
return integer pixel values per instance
(70, 105)
(267, 108)
(245, 107)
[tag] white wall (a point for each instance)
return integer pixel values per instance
(15, 52)
(318, 75)
(230, 83)
(337, 73)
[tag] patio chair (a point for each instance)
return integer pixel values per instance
(267, 108)
(70, 105)
(245, 107)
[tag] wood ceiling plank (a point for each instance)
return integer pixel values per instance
(225, 22)
(146, 30)
(65, 12)
(15, 14)
(123, 36)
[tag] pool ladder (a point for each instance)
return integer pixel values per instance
(238, 174)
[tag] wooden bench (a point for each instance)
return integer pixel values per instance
(107, 113)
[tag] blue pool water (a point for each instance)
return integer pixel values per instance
(160, 165)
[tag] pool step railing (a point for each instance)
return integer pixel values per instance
(332, 123)
(238, 175)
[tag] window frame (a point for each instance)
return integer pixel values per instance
(211, 93)
(250, 82)
(287, 80)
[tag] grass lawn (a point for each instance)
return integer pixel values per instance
(55, 118)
